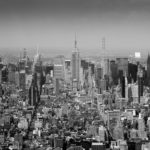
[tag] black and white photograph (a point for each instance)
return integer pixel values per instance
(74, 74)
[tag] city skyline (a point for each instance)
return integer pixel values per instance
(52, 24)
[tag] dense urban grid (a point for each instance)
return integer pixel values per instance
(75, 104)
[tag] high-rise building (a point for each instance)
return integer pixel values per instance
(140, 81)
(113, 72)
(25, 63)
(123, 86)
(58, 71)
(148, 69)
(21, 64)
(33, 92)
(24, 53)
(68, 71)
(102, 85)
(98, 76)
(84, 64)
(49, 68)
(126, 87)
(17, 78)
(4, 74)
(37, 64)
(132, 72)
(122, 64)
(105, 66)
(134, 89)
(33, 95)
(141, 127)
(28, 81)
(0, 76)
(58, 76)
(38, 70)
(57, 86)
(92, 66)
(47, 80)
(113, 119)
(81, 78)
(22, 80)
(1, 90)
(76, 65)
(11, 73)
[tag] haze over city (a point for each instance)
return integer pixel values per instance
(52, 24)
(74, 74)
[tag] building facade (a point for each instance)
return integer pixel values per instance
(76, 65)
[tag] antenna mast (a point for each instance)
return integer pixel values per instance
(103, 47)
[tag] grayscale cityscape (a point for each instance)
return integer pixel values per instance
(74, 74)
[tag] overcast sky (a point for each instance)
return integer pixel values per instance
(125, 24)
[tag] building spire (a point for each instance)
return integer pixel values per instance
(37, 49)
(75, 42)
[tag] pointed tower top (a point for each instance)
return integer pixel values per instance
(75, 42)
(37, 49)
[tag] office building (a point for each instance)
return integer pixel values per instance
(58, 76)
(4, 74)
(33, 92)
(134, 89)
(68, 71)
(148, 70)
(140, 81)
(11, 73)
(123, 86)
(113, 72)
(103, 85)
(57, 86)
(58, 71)
(132, 72)
(105, 66)
(75, 63)
(28, 81)
(38, 70)
(49, 69)
(0, 76)
(22, 80)
(122, 64)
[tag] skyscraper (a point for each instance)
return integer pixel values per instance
(105, 66)
(22, 80)
(123, 86)
(140, 81)
(76, 65)
(148, 70)
(58, 76)
(68, 71)
(33, 92)
(59, 71)
(11, 72)
(37, 68)
(113, 72)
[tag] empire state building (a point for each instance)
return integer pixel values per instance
(76, 66)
